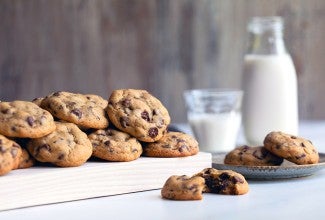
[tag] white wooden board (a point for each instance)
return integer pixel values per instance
(45, 185)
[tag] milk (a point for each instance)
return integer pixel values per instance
(270, 96)
(216, 132)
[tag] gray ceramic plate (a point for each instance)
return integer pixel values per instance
(286, 170)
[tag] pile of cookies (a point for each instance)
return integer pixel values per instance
(66, 129)
(277, 147)
(209, 180)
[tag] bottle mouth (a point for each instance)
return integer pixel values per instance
(262, 24)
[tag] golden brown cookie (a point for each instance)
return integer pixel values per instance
(67, 146)
(10, 152)
(183, 188)
(86, 111)
(252, 156)
(292, 148)
(172, 144)
(24, 119)
(225, 182)
(114, 145)
(138, 113)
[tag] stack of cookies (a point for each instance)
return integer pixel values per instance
(66, 129)
(277, 147)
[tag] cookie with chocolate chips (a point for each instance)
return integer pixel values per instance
(86, 111)
(252, 156)
(225, 182)
(172, 144)
(67, 146)
(138, 113)
(183, 188)
(113, 145)
(292, 148)
(10, 152)
(25, 120)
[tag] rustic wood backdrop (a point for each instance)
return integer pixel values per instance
(164, 46)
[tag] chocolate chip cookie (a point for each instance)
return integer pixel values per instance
(67, 146)
(138, 113)
(225, 182)
(292, 148)
(183, 188)
(10, 152)
(87, 111)
(24, 119)
(172, 144)
(114, 145)
(252, 156)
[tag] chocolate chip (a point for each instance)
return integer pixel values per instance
(107, 143)
(61, 156)
(2, 149)
(30, 121)
(293, 137)
(236, 179)
(126, 103)
(57, 93)
(302, 144)
(224, 176)
(14, 152)
(153, 132)
(134, 150)
(124, 121)
(5, 111)
(166, 146)
(77, 112)
(13, 128)
(145, 115)
(183, 148)
(45, 147)
(300, 156)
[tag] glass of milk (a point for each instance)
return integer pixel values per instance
(215, 117)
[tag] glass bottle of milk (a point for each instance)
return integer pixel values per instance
(269, 82)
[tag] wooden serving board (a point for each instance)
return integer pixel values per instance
(45, 185)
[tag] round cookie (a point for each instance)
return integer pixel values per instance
(138, 113)
(252, 156)
(225, 182)
(10, 152)
(183, 188)
(67, 146)
(172, 144)
(115, 145)
(87, 111)
(25, 120)
(292, 148)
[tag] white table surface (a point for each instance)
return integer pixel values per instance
(299, 198)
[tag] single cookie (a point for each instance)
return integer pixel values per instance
(225, 182)
(67, 146)
(172, 144)
(115, 145)
(252, 156)
(25, 120)
(138, 113)
(10, 152)
(183, 188)
(87, 111)
(292, 148)
(25, 160)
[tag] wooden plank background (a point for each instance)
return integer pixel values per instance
(164, 46)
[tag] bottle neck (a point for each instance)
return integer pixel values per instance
(266, 36)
